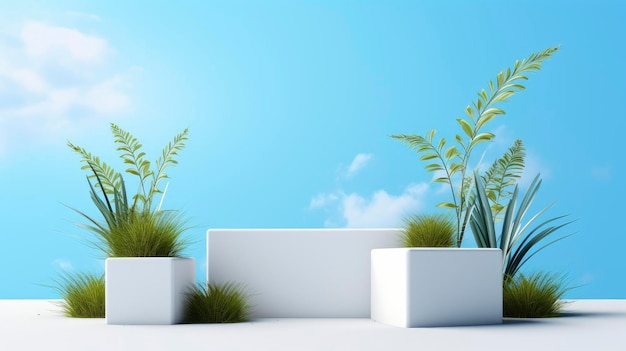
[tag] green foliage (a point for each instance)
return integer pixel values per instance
(429, 231)
(217, 304)
(132, 228)
(535, 296)
(450, 160)
(130, 152)
(82, 294)
(147, 234)
(108, 178)
(502, 175)
(516, 239)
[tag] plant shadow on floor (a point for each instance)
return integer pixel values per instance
(592, 314)
(517, 321)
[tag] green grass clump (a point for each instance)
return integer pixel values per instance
(82, 294)
(429, 231)
(217, 304)
(146, 234)
(535, 296)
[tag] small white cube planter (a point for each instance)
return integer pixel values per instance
(147, 290)
(436, 287)
(299, 273)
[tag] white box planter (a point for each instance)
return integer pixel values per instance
(299, 273)
(436, 287)
(147, 290)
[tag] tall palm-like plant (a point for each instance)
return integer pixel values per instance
(450, 160)
(155, 232)
(517, 239)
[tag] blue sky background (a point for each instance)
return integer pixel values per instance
(290, 105)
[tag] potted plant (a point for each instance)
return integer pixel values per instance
(419, 285)
(146, 277)
(453, 286)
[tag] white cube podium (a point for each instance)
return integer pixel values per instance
(147, 290)
(299, 273)
(436, 287)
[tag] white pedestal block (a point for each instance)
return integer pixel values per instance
(299, 273)
(436, 287)
(147, 290)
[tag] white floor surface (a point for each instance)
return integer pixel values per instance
(596, 325)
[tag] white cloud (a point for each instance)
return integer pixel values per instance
(28, 79)
(533, 166)
(54, 79)
(83, 15)
(63, 264)
(108, 97)
(382, 209)
(357, 164)
(42, 41)
(322, 200)
(504, 138)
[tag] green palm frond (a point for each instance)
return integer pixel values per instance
(109, 178)
(503, 174)
(132, 155)
(165, 160)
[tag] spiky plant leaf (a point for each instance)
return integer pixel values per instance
(515, 253)
(482, 221)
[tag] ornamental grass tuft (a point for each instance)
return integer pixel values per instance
(217, 304)
(82, 294)
(147, 234)
(429, 231)
(534, 296)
